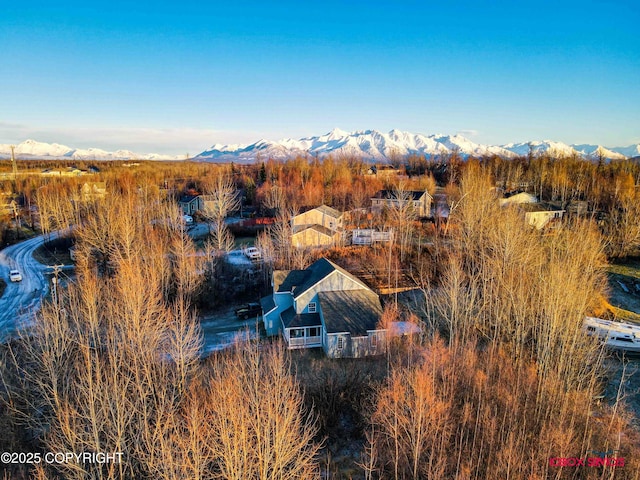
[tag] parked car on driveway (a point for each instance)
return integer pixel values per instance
(249, 310)
(253, 253)
(15, 276)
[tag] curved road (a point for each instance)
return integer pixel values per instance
(21, 299)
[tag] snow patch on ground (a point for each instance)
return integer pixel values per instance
(219, 341)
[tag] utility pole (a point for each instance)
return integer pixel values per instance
(54, 281)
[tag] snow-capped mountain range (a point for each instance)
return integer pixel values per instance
(32, 150)
(372, 145)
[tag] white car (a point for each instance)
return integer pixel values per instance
(253, 253)
(15, 276)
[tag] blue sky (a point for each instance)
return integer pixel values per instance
(177, 77)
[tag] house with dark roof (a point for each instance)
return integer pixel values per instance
(190, 204)
(325, 306)
(419, 200)
(320, 226)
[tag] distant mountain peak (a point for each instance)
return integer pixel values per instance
(336, 132)
(370, 145)
(33, 150)
(376, 146)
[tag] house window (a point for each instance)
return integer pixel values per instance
(314, 332)
(340, 343)
(312, 307)
(297, 333)
(374, 340)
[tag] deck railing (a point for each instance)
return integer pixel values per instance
(305, 342)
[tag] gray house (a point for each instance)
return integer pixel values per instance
(190, 204)
(418, 199)
(325, 306)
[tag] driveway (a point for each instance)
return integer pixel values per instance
(21, 299)
(223, 329)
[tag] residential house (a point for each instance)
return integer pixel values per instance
(320, 226)
(517, 198)
(421, 201)
(91, 191)
(208, 202)
(540, 214)
(63, 172)
(190, 203)
(383, 171)
(325, 306)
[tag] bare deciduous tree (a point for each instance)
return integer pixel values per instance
(259, 426)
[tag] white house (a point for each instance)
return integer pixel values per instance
(540, 214)
(93, 191)
(325, 306)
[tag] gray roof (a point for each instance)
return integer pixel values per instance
(318, 270)
(540, 207)
(286, 280)
(291, 320)
(393, 194)
(187, 198)
(299, 281)
(267, 304)
(353, 311)
(332, 212)
(318, 228)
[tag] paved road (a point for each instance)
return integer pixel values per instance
(21, 299)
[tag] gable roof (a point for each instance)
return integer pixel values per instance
(318, 228)
(299, 281)
(286, 280)
(353, 311)
(331, 212)
(393, 194)
(187, 198)
(267, 304)
(323, 209)
(319, 270)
